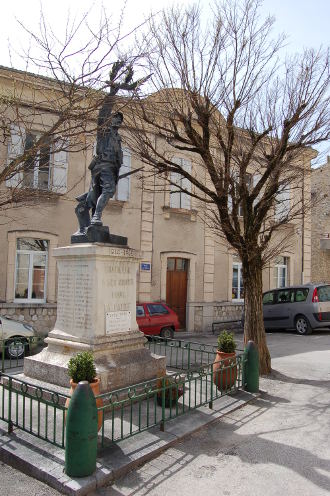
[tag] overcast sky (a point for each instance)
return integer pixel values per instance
(305, 22)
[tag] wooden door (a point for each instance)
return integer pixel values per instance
(176, 287)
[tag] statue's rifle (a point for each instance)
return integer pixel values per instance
(130, 173)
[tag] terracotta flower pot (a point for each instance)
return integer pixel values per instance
(172, 393)
(95, 385)
(224, 378)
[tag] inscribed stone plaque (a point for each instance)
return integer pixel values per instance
(117, 322)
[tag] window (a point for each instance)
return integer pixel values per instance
(36, 171)
(140, 311)
(251, 182)
(31, 270)
(285, 296)
(46, 171)
(268, 298)
(180, 199)
(323, 293)
(281, 272)
(301, 294)
(177, 264)
(237, 284)
(157, 309)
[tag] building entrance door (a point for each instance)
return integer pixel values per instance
(176, 287)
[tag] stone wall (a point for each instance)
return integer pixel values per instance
(207, 313)
(321, 223)
(41, 316)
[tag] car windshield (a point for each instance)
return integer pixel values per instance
(157, 308)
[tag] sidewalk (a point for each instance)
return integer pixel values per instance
(46, 462)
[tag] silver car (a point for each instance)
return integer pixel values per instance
(303, 308)
(16, 338)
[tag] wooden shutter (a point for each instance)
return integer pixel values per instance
(15, 149)
(123, 187)
(60, 167)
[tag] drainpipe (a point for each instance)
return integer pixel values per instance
(303, 226)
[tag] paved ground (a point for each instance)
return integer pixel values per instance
(15, 483)
(279, 444)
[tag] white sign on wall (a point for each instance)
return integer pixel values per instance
(117, 322)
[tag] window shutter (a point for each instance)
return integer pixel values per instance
(60, 167)
(123, 186)
(186, 184)
(255, 180)
(282, 204)
(175, 194)
(15, 149)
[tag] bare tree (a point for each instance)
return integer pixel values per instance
(247, 123)
(51, 108)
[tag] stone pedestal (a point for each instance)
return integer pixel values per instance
(96, 311)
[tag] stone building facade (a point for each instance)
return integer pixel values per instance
(168, 230)
(321, 223)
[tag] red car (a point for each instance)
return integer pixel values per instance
(156, 319)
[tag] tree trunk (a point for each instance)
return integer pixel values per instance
(254, 324)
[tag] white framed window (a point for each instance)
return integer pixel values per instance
(251, 182)
(237, 280)
(31, 270)
(36, 171)
(281, 272)
(46, 171)
(178, 198)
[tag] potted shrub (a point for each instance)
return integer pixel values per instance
(174, 390)
(224, 366)
(81, 367)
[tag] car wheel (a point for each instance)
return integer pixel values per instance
(302, 325)
(167, 332)
(16, 348)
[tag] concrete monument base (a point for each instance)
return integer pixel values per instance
(96, 312)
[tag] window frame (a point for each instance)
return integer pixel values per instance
(238, 264)
(277, 268)
(31, 253)
(36, 165)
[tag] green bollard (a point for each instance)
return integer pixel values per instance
(251, 369)
(81, 432)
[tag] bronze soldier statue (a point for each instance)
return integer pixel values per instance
(106, 164)
(104, 170)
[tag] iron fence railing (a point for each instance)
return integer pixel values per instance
(128, 411)
(14, 350)
(182, 355)
(125, 412)
(33, 409)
